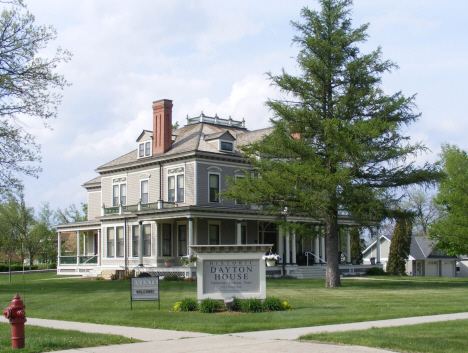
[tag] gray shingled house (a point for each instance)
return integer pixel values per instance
(424, 259)
(148, 206)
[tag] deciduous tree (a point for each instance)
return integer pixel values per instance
(338, 146)
(29, 85)
(450, 231)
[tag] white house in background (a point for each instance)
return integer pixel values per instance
(423, 260)
(151, 204)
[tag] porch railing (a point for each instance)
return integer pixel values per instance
(318, 257)
(138, 207)
(81, 260)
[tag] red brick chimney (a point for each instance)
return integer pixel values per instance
(162, 125)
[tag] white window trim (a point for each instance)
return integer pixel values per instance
(220, 149)
(142, 180)
(144, 149)
(219, 187)
(218, 223)
(172, 240)
(107, 243)
(131, 231)
(124, 181)
(151, 239)
(175, 175)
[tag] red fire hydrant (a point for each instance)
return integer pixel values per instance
(17, 317)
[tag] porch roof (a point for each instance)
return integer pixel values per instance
(77, 226)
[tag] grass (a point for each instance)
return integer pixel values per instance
(41, 339)
(447, 337)
(53, 297)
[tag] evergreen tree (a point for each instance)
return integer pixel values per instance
(400, 246)
(337, 146)
(451, 229)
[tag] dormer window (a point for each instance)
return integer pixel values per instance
(226, 146)
(144, 149)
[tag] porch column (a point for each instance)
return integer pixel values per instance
(59, 247)
(140, 244)
(85, 250)
(77, 246)
(293, 245)
(378, 245)
(190, 234)
(288, 253)
(317, 246)
(239, 232)
(280, 243)
(322, 238)
(99, 246)
(348, 247)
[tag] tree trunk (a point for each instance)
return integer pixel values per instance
(332, 278)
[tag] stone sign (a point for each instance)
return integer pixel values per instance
(224, 271)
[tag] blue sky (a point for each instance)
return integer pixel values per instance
(212, 56)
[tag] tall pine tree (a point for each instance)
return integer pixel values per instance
(400, 246)
(337, 147)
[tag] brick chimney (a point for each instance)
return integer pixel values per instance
(162, 125)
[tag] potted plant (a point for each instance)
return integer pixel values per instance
(167, 262)
(189, 260)
(271, 259)
(372, 260)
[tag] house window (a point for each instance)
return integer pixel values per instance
(115, 195)
(119, 193)
(135, 242)
(147, 240)
(141, 150)
(226, 146)
(214, 234)
(144, 149)
(175, 185)
(110, 242)
(120, 241)
(144, 191)
(243, 234)
(166, 239)
(214, 187)
(182, 243)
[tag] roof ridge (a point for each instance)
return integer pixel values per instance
(199, 136)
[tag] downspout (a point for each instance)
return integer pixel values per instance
(160, 181)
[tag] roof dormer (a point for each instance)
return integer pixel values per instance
(223, 141)
(145, 144)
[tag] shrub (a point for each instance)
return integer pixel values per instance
(209, 305)
(237, 304)
(188, 304)
(376, 271)
(128, 275)
(190, 279)
(176, 306)
(171, 278)
(272, 304)
(286, 306)
(252, 305)
(99, 279)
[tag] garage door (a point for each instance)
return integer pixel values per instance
(448, 269)
(431, 269)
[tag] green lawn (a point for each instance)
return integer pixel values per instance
(107, 302)
(41, 339)
(447, 337)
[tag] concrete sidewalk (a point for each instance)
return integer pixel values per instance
(247, 342)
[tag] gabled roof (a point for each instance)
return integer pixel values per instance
(149, 132)
(93, 182)
(219, 135)
(190, 138)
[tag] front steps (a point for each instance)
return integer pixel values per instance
(310, 272)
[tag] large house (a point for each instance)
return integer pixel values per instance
(147, 207)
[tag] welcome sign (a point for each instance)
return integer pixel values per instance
(224, 271)
(144, 288)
